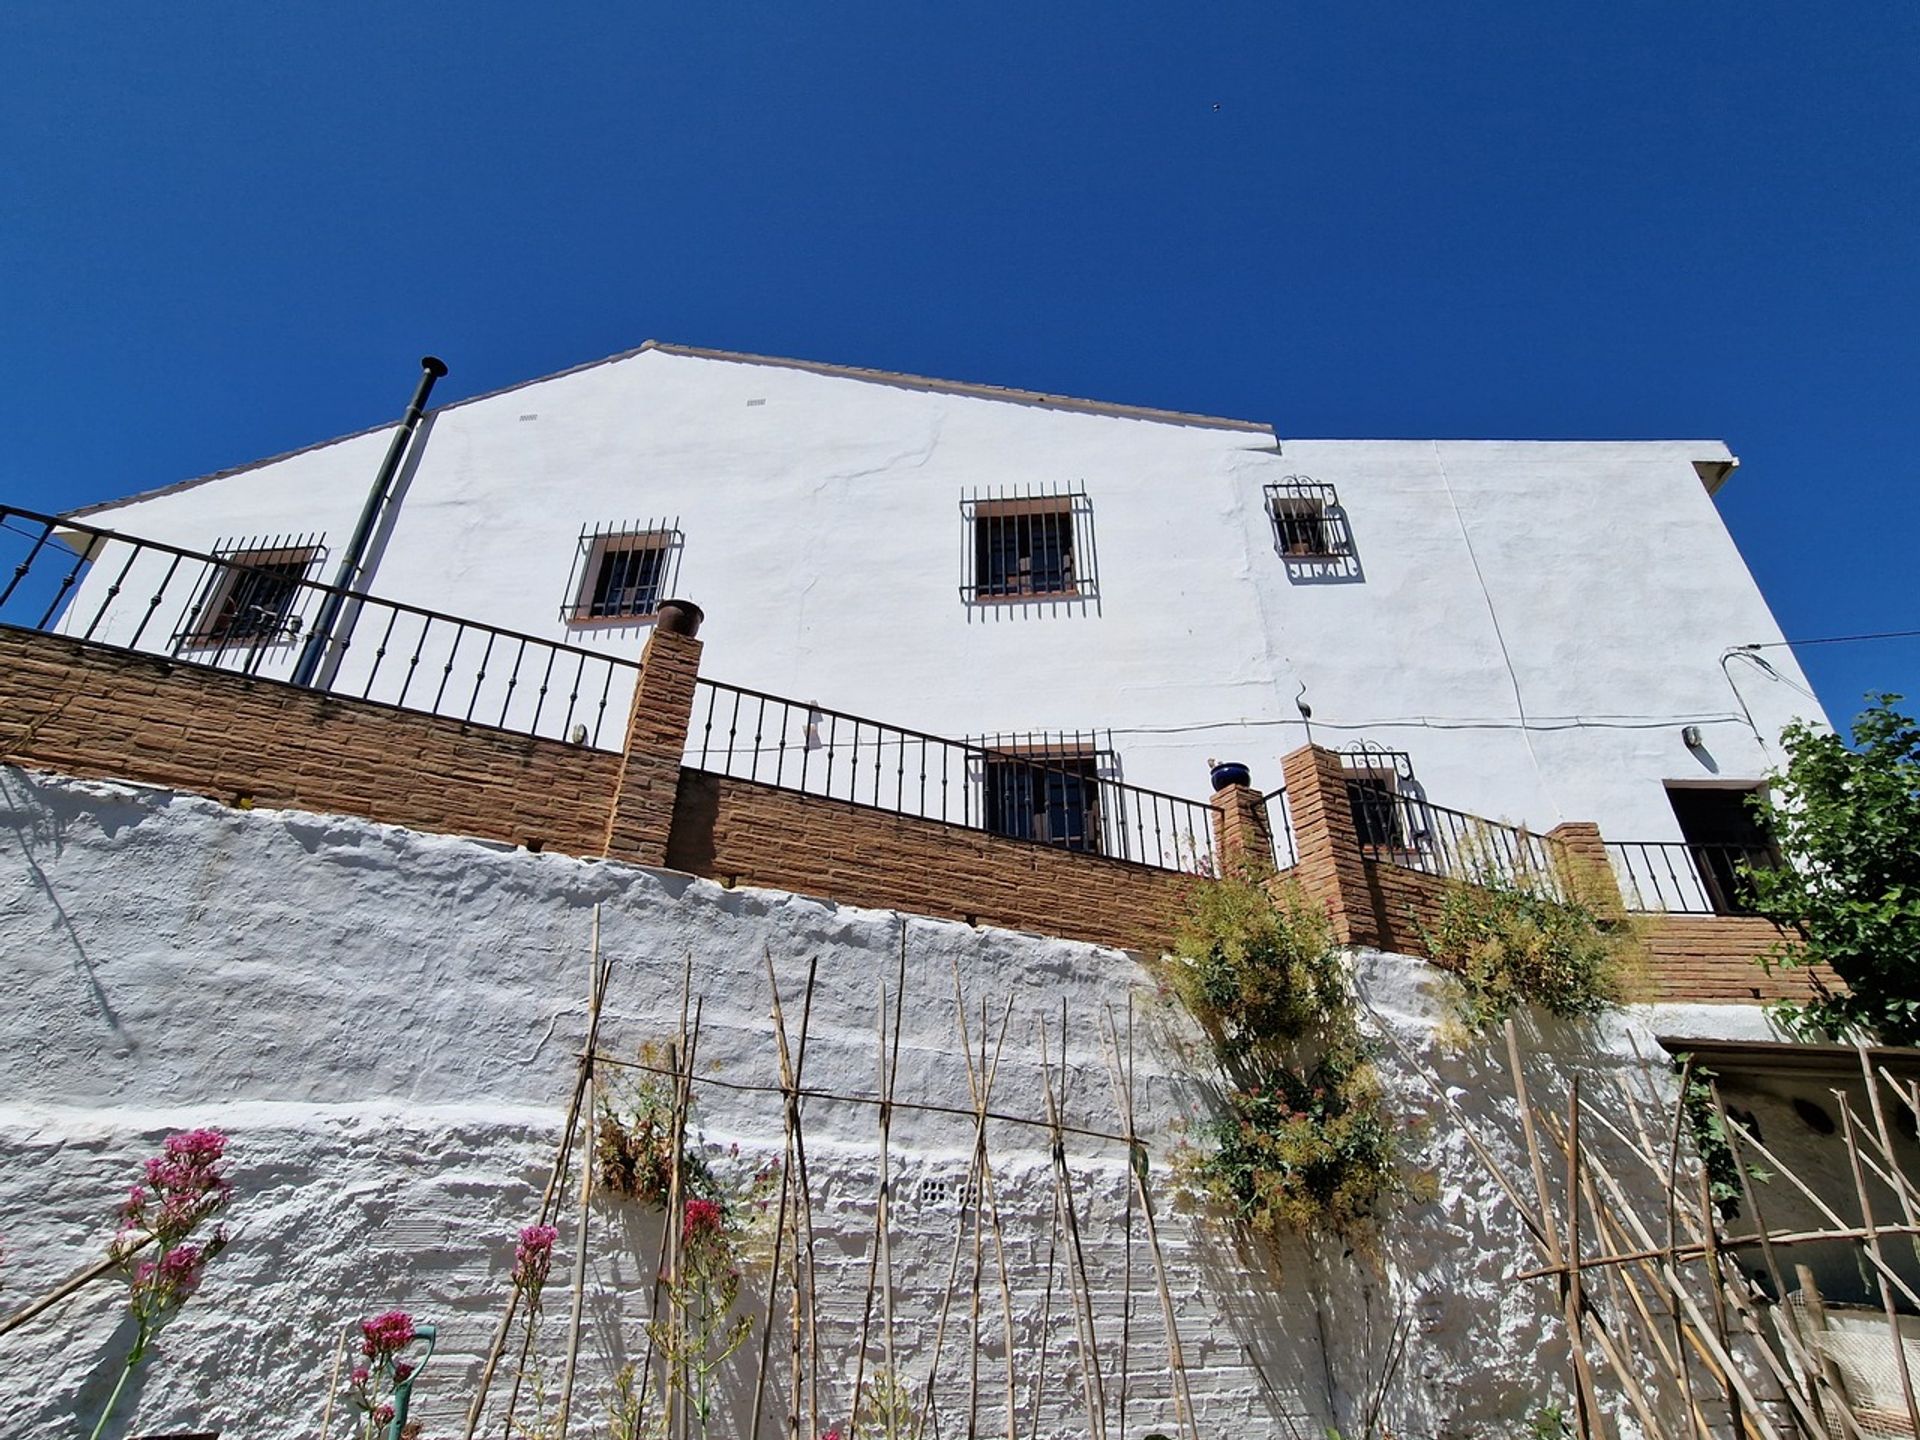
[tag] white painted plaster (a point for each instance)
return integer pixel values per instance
(1590, 585)
(385, 1022)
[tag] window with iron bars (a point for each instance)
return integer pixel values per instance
(1046, 790)
(1308, 522)
(1027, 546)
(622, 572)
(1380, 794)
(254, 597)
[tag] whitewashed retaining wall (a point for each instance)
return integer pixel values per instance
(386, 1023)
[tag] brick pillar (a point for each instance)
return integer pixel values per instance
(1586, 874)
(1331, 868)
(1242, 833)
(649, 781)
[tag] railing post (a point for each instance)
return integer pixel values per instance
(1242, 832)
(641, 817)
(1330, 866)
(1586, 874)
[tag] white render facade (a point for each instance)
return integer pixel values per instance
(1533, 623)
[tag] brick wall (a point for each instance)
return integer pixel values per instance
(90, 711)
(86, 711)
(742, 832)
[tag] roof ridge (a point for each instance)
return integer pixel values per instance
(975, 389)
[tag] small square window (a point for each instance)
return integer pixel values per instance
(1036, 547)
(1046, 793)
(1383, 798)
(1308, 523)
(622, 574)
(254, 596)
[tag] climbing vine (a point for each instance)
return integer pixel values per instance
(1304, 1142)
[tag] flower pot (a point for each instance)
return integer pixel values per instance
(1227, 772)
(679, 617)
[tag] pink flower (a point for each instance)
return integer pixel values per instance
(360, 1375)
(401, 1370)
(384, 1414)
(386, 1334)
(702, 1221)
(533, 1256)
(833, 1434)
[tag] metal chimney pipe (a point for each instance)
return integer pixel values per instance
(321, 635)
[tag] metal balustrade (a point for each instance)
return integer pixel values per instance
(1408, 830)
(251, 610)
(1049, 794)
(1677, 877)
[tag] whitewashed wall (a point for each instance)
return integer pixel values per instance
(1588, 587)
(386, 1021)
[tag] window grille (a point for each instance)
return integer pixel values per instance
(1026, 545)
(1308, 521)
(1046, 788)
(1384, 798)
(255, 595)
(622, 571)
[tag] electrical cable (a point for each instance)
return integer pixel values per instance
(1831, 640)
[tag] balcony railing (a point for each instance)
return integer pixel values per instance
(1677, 877)
(1407, 830)
(257, 610)
(1048, 794)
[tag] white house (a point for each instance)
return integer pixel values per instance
(1543, 630)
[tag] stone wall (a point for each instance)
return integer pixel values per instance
(386, 1022)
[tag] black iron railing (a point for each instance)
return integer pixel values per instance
(250, 608)
(1679, 878)
(1286, 849)
(1049, 794)
(1407, 830)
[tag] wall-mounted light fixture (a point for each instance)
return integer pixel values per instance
(1690, 737)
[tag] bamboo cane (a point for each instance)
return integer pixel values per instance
(333, 1383)
(1091, 1381)
(595, 993)
(1183, 1415)
(1873, 1245)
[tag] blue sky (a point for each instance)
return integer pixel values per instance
(229, 230)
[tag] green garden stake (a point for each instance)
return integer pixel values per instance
(403, 1390)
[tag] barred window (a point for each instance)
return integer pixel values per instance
(1382, 796)
(1047, 790)
(1027, 547)
(254, 597)
(622, 572)
(1308, 522)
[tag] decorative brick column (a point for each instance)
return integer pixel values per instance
(1331, 867)
(649, 780)
(1242, 832)
(1580, 855)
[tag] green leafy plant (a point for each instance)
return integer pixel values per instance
(1509, 947)
(1707, 1125)
(1846, 820)
(1308, 1151)
(1304, 1142)
(1254, 967)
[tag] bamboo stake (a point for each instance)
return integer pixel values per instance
(76, 1281)
(1586, 1404)
(586, 1200)
(886, 1183)
(790, 1119)
(1090, 1376)
(1873, 1245)
(790, 1076)
(980, 1091)
(879, 1224)
(1902, 1189)
(1804, 1350)
(1183, 1417)
(333, 1383)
